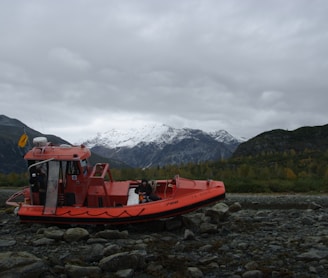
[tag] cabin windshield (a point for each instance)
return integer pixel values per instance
(73, 168)
(38, 167)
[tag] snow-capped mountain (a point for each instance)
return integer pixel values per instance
(159, 144)
(159, 134)
(131, 137)
(225, 137)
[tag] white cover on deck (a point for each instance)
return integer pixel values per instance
(133, 198)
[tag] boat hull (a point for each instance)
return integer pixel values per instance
(123, 215)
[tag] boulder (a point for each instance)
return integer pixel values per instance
(75, 271)
(20, 264)
(123, 260)
(75, 234)
(112, 234)
(54, 233)
(218, 212)
(194, 272)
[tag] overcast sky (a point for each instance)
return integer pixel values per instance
(75, 68)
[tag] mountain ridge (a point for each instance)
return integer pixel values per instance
(154, 133)
(187, 146)
(279, 140)
(160, 144)
(148, 146)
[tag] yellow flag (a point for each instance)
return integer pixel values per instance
(23, 140)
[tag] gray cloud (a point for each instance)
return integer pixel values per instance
(78, 67)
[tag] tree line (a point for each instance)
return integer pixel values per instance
(290, 171)
(266, 172)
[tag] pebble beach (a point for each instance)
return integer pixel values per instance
(246, 235)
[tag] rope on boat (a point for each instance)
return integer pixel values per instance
(102, 213)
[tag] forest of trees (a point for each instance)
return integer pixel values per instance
(267, 172)
(287, 172)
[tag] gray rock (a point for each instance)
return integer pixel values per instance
(193, 220)
(314, 206)
(54, 233)
(111, 249)
(235, 207)
(188, 235)
(252, 265)
(124, 273)
(218, 212)
(173, 224)
(76, 271)
(208, 228)
(75, 234)
(194, 272)
(123, 260)
(94, 252)
(112, 234)
(43, 241)
(253, 274)
(313, 254)
(97, 240)
(208, 259)
(154, 268)
(20, 264)
(7, 242)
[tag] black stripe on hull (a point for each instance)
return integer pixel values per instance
(118, 221)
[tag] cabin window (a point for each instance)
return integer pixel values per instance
(38, 179)
(84, 166)
(62, 169)
(73, 168)
(42, 167)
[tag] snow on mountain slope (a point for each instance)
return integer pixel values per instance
(152, 133)
(225, 137)
(131, 137)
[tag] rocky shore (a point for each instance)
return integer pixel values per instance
(243, 236)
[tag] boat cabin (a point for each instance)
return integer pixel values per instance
(60, 175)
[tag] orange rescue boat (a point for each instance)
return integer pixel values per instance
(64, 189)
